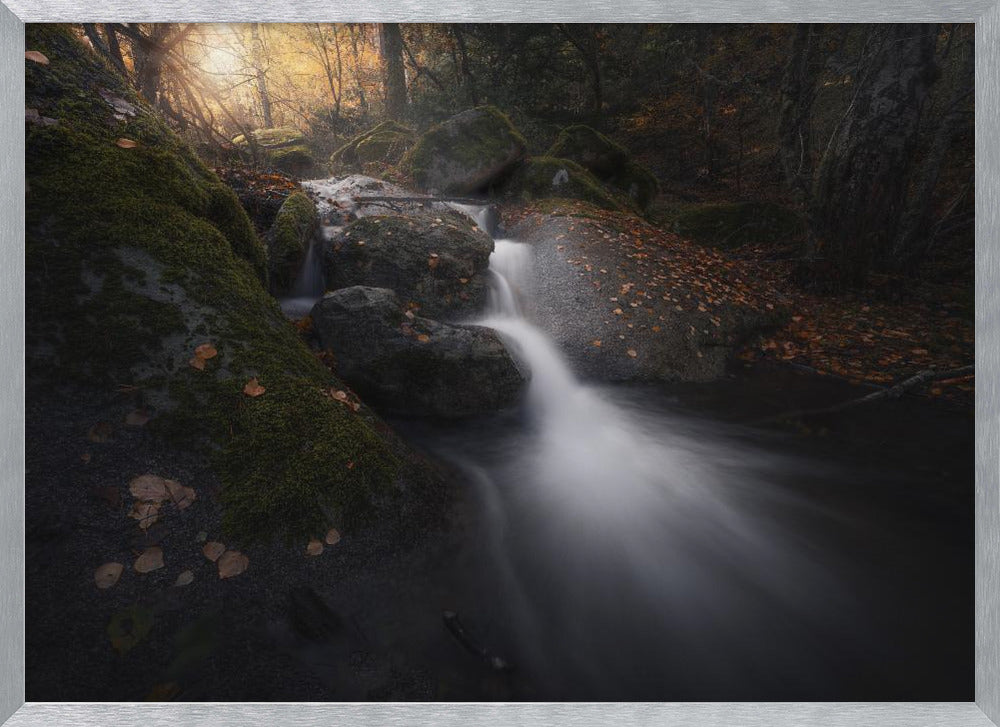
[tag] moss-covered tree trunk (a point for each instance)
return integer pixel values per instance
(860, 190)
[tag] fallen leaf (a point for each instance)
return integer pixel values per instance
(137, 418)
(36, 56)
(315, 547)
(212, 550)
(232, 563)
(632, 353)
(340, 395)
(100, 432)
(206, 351)
(151, 559)
(332, 537)
(423, 338)
(126, 143)
(108, 574)
(197, 363)
(184, 579)
(129, 627)
(146, 513)
(148, 488)
(596, 342)
(253, 388)
(181, 495)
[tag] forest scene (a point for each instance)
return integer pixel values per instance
(499, 362)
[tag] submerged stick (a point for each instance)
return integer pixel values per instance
(463, 637)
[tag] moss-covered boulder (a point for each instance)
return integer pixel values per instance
(590, 149)
(386, 142)
(136, 255)
(283, 148)
(637, 183)
(434, 260)
(288, 240)
(547, 177)
(729, 225)
(412, 365)
(465, 154)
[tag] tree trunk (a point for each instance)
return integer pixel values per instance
(362, 98)
(860, 190)
(795, 106)
(393, 72)
(258, 62)
(589, 50)
(916, 234)
(468, 82)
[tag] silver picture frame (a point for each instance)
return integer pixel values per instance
(984, 711)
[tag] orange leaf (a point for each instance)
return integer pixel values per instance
(423, 338)
(108, 574)
(181, 495)
(332, 537)
(148, 488)
(206, 351)
(232, 563)
(151, 559)
(315, 547)
(253, 388)
(36, 56)
(632, 353)
(146, 513)
(197, 363)
(126, 143)
(212, 550)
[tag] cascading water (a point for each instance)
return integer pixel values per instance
(634, 547)
(308, 285)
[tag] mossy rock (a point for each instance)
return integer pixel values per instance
(285, 149)
(386, 146)
(730, 225)
(545, 177)
(289, 238)
(135, 256)
(466, 153)
(590, 149)
(347, 158)
(637, 183)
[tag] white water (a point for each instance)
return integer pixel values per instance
(633, 545)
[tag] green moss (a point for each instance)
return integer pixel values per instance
(289, 238)
(385, 146)
(269, 138)
(480, 138)
(346, 157)
(590, 149)
(637, 183)
(133, 258)
(733, 224)
(542, 177)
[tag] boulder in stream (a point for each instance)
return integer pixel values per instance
(294, 227)
(590, 149)
(548, 177)
(386, 143)
(412, 365)
(436, 260)
(284, 148)
(466, 153)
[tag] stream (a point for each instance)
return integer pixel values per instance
(632, 543)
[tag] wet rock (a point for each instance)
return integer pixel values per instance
(435, 260)
(285, 149)
(411, 365)
(465, 154)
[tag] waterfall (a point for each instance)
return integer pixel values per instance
(634, 545)
(308, 286)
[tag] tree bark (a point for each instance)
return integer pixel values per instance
(797, 92)
(860, 190)
(393, 72)
(590, 53)
(257, 53)
(916, 234)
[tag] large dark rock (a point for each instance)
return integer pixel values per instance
(386, 143)
(138, 254)
(285, 149)
(413, 365)
(436, 260)
(548, 177)
(465, 154)
(590, 149)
